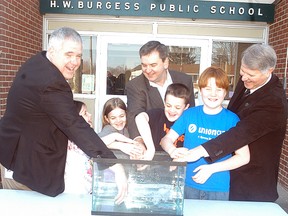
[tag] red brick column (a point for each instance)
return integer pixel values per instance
(20, 37)
(278, 38)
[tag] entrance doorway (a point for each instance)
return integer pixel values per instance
(118, 62)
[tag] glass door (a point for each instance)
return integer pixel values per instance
(118, 62)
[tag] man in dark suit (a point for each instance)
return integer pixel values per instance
(147, 91)
(41, 116)
(260, 102)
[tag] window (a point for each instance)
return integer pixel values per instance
(227, 55)
(84, 80)
(124, 64)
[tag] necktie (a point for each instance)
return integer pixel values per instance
(246, 93)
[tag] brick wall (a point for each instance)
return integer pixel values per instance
(278, 38)
(20, 37)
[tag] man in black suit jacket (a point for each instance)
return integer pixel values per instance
(262, 126)
(147, 91)
(41, 116)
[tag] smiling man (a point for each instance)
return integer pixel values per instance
(262, 126)
(41, 116)
(147, 91)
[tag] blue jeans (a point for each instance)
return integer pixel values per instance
(192, 193)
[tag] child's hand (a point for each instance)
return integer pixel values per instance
(141, 147)
(203, 173)
(172, 168)
(179, 153)
(132, 150)
(148, 155)
(195, 154)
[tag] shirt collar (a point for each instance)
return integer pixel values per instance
(162, 89)
(167, 82)
(253, 90)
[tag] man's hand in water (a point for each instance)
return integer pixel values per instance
(121, 182)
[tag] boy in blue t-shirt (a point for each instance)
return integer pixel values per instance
(200, 124)
(154, 124)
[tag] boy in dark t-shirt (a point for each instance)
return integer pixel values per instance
(155, 123)
(159, 126)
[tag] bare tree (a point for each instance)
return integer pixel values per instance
(224, 53)
(182, 55)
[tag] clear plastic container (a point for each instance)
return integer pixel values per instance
(153, 191)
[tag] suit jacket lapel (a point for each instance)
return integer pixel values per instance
(153, 95)
(174, 78)
(237, 102)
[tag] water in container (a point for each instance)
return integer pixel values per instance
(156, 190)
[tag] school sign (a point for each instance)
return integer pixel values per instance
(163, 8)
